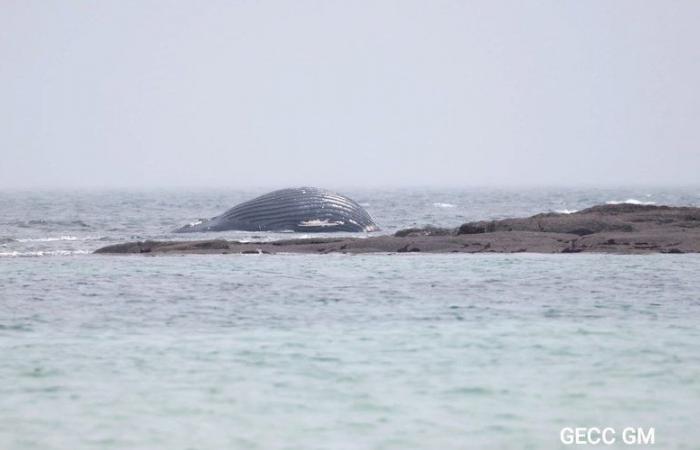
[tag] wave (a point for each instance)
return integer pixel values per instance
(444, 205)
(44, 222)
(565, 211)
(58, 238)
(43, 253)
(629, 201)
(48, 239)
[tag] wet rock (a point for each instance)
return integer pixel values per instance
(621, 228)
(428, 230)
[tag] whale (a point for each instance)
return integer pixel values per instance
(303, 209)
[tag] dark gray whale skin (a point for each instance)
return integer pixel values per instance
(304, 209)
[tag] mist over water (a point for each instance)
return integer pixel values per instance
(239, 94)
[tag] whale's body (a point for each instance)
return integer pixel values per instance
(304, 209)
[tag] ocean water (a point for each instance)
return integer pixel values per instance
(409, 351)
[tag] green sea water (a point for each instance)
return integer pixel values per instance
(339, 351)
(402, 351)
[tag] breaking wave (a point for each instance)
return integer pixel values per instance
(55, 239)
(43, 253)
(44, 223)
(48, 239)
(629, 201)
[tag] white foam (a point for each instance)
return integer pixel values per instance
(629, 201)
(43, 253)
(49, 239)
(59, 238)
(320, 223)
(444, 205)
(565, 211)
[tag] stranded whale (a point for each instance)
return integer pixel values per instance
(304, 209)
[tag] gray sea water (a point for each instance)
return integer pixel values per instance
(335, 351)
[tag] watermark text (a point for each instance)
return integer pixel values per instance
(607, 436)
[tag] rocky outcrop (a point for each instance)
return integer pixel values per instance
(624, 229)
(598, 219)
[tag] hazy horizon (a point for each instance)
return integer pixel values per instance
(345, 187)
(368, 94)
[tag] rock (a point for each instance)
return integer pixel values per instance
(628, 229)
(428, 230)
(471, 228)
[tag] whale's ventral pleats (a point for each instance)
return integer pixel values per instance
(305, 209)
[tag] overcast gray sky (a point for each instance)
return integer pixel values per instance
(351, 93)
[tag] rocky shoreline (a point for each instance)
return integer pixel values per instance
(620, 229)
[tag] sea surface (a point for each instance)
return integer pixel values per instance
(380, 351)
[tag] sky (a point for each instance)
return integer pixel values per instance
(232, 94)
